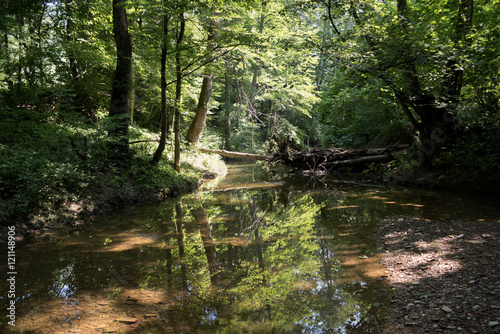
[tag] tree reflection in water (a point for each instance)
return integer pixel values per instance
(258, 261)
(258, 257)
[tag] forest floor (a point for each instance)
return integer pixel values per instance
(445, 276)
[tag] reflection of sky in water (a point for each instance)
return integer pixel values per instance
(64, 285)
(331, 302)
(209, 317)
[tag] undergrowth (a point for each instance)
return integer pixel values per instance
(54, 166)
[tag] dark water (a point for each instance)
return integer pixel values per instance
(256, 254)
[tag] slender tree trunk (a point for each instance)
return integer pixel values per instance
(132, 92)
(227, 106)
(164, 116)
(70, 27)
(120, 92)
(19, 69)
(198, 124)
(9, 98)
(178, 96)
(177, 119)
(131, 101)
(256, 69)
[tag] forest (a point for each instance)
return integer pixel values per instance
(105, 103)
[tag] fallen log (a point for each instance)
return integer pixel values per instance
(237, 154)
(360, 161)
(323, 159)
(145, 141)
(327, 159)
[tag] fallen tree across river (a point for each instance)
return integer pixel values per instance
(238, 155)
(323, 159)
(336, 158)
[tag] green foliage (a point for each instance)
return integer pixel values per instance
(474, 163)
(272, 89)
(47, 164)
(281, 73)
(360, 112)
(37, 169)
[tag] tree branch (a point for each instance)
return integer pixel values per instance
(208, 61)
(145, 141)
(329, 8)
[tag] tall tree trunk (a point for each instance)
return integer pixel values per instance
(227, 106)
(178, 96)
(132, 91)
(164, 116)
(198, 124)
(120, 91)
(256, 69)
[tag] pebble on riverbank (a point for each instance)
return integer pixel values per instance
(444, 275)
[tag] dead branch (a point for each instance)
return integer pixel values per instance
(237, 154)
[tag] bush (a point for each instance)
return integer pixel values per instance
(358, 112)
(47, 163)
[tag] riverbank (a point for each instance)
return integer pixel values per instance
(113, 189)
(56, 169)
(444, 276)
(442, 179)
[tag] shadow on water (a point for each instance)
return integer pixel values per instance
(259, 253)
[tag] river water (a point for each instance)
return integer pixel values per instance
(257, 253)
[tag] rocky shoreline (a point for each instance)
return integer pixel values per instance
(444, 276)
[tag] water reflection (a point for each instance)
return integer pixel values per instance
(256, 254)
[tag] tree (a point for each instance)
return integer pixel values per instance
(178, 94)
(119, 111)
(164, 114)
(271, 80)
(227, 105)
(199, 120)
(418, 50)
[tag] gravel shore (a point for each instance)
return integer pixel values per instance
(445, 276)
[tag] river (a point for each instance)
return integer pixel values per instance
(258, 252)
